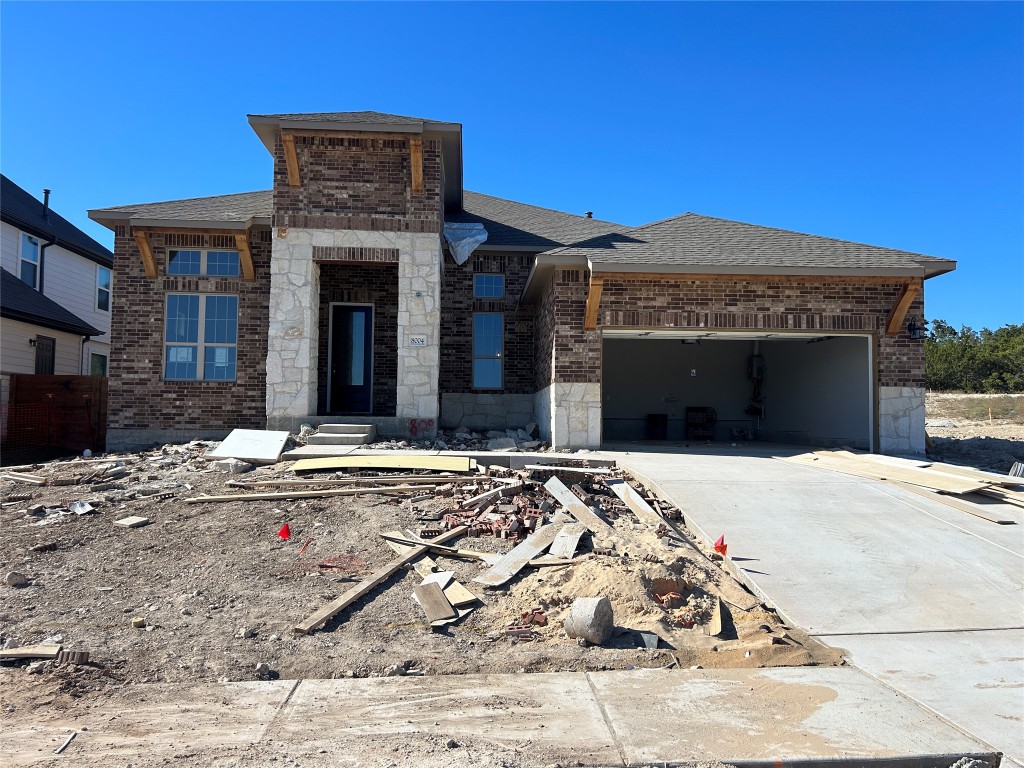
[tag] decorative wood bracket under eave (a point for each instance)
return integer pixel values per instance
(146, 249)
(899, 310)
(245, 256)
(416, 161)
(291, 159)
(593, 303)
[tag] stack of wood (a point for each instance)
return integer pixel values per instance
(962, 488)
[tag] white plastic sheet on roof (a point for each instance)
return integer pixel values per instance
(463, 239)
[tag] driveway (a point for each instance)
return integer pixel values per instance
(923, 597)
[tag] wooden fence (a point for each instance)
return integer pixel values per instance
(52, 416)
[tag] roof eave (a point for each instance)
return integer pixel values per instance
(110, 219)
(104, 259)
(23, 317)
(542, 269)
(609, 267)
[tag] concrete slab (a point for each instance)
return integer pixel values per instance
(983, 691)
(768, 715)
(257, 446)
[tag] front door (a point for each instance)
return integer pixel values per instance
(46, 353)
(351, 361)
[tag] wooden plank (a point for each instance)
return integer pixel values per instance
(920, 477)
(19, 477)
(433, 602)
(332, 609)
(496, 493)
(146, 251)
(576, 508)
(416, 163)
(132, 521)
(467, 554)
(560, 468)
(440, 463)
(964, 505)
(635, 502)
(424, 566)
(593, 303)
(291, 159)
(441, 578)
(311, 494)
(245, 257)
(513, 562)
(1010, 497)
(31, 652)
(382, 480)
(564, 545)
(932, 466)
(459, 596)
(901, 306)
(714, 625)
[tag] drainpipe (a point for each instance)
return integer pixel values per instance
(81, 357)
(44, 246)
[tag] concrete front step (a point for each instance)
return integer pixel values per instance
(348, 429)
(338, 439)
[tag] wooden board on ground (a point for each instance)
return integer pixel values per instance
(577, 508)
(1002, 494)
(312, 494)
(458, 595)
(441, 578)
(467, 554)
(424, 566)
(256, 446)
(565, 543)
(332, 609)
(31, 652)
(433, 602)
(714, 625)
(461, 614)
(963, 504)
(577, 470)
(970, 473)
(922, 477)
(132, 521)
(382, 480)
(635, 502)
(439, 463)
(513, 562)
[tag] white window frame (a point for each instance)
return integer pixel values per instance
(203, 259)
(200, 344)
(489, 274)
(500, 357)
(110, 290)
(39, 257)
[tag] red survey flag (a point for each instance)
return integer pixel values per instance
(720, 546)
(285, 533)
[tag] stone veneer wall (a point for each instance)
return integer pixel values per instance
(486, 411)
(145, 409)
(362, 283)
(292, 370)
(806, 304)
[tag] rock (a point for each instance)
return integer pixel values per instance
(501, 444)
(529, 445)
(451, 744)
(245, 633)
(395, 670)
(139, 623)
(263, 670)
(522, 434)
(531, 429)
(16, 579)
(440, 445)
(590, 619)
(231, 466)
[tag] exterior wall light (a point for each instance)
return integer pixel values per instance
(917, 331)
(32, 342)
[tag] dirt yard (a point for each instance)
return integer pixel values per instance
(983, 431)
(217, 592)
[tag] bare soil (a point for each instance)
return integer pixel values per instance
(983, 431)
(218, 591)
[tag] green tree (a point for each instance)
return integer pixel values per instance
(973, 361)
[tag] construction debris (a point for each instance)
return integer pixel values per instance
(254, 446)
(590, 619)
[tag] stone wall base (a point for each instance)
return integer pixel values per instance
(140, 439)
(569, 415)
(480, 411)
(901, 420)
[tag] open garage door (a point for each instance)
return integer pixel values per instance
(807, 389)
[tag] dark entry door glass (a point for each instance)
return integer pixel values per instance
(351, 360)
(46, 352)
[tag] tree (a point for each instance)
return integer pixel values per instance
(972, 361)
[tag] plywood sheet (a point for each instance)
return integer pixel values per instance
(257, 446)
(438, 463)
(575, 507)
(435, 605)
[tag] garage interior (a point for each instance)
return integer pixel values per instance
(793, 388)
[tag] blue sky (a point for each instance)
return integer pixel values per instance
(887, 123)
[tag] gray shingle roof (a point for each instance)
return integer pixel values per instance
(375, 118)
(20, 301)
(517, 224)
(704, 241)
(229, 208)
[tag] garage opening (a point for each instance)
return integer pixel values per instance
(806, 389)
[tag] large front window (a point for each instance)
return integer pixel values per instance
(28, 266)
(200, 337)
(488, 343)
(194, 262)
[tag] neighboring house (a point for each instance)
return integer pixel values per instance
(352, 292)
(56, 294)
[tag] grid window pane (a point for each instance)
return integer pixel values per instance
(103, 289)
(181, 362)
(487, 373)
(182, 318)
(30, 248)
(224, 263)
(487, 334)
(29, 272)
(221, 320)
(488, 286)
(184, 263)
(219, 364)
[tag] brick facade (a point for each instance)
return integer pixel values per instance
(139, 398)
(811, 304)
(375, 284)
(360, 183)
(457, 308)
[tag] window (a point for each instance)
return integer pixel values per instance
(200, 338)
(97, 364)
(214, 263)
(29, 260)
(486, 286)
(102, 290)
(488, 340)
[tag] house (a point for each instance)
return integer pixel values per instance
(367, 286)
(55, 295)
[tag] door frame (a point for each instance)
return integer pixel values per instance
(330, 346)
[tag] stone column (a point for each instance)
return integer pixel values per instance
(575, 414)
(901, 420)
(419, 328)
(293, 331)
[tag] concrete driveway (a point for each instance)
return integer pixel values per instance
(925, 598)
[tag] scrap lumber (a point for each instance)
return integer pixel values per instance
(635, 502)
(424, 566)
(514, 561)
(934, 480)
(310, 494)
(467, 554)
(31, 652)
(440, 463)
(714, 625)
(332, 609)
(1010, 497)
(458, 595)
(956, 503)
(970, 473)
(496, 493)
(433, 602)
(577, 508)
(382, 480)
(24, 477)
(560, 468)
(565, 543)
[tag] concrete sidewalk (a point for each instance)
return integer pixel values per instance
(926, 598)
(797, 717)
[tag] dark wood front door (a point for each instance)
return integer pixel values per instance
(351, 363)
(46, 353)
